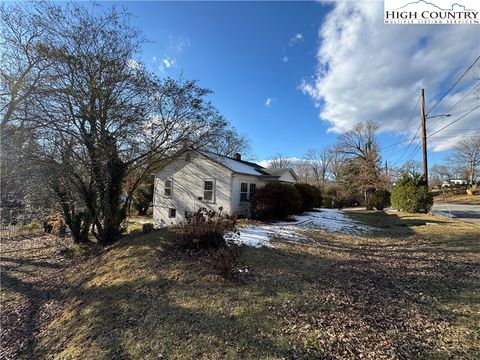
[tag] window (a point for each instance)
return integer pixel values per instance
(168, 187)
(188, 157)
(208, 189)
(172, 213)
(246, 191)
(243, 192)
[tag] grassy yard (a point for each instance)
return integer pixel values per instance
(458, 199)
(409, 290)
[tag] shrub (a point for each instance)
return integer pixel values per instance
(225, 259)
(311, 196)
(205, 229)
(276, 201)
(411, 194)
(334, 199)
(380, 199)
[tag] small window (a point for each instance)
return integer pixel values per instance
(172, 213)
(188, 157)
(168, 187)
(243, 192)
(246, 191)
(208, 189)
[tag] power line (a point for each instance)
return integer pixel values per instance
(463, 97)
(454, 84)
(454, 121)
(403, 131)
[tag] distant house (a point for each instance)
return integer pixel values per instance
(193, 179)
(454, 182)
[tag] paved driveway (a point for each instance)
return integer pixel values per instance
(470, 213)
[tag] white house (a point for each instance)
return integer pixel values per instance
(193, 179)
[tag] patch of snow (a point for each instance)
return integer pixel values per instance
(325, 219)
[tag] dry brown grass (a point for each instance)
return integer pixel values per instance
(410, 290)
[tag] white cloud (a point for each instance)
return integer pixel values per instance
(296, 39)
(368, 70)
(285, 58)
(168, 62)
(178, 43)
(269, 102)
(165, 63)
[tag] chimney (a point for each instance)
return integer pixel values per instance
(237, 156)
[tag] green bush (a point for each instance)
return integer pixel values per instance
(411, 194)
(205, 229)
(380, 199)
(311, 196)
(276, 201)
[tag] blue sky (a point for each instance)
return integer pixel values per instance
(263, 61)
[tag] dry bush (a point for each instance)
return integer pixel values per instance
(225, 259)
(205, 229)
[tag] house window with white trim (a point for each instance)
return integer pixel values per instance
(209, 190)
(246, 191)
(168, 187)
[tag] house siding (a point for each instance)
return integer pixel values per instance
(287, 177)
(188, 178)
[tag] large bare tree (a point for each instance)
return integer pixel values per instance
(467, 156)
(104, 119)
(280, 161)
(362, 153)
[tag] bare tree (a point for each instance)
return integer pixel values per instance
(25, 66)
(320, 163)
(303, 170)
(228, 143)
(105, 117)
(467, 156)
(280, 161)
(361, 150)
(336, 160)
(360, 141)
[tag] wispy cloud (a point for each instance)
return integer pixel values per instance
(178, 43)
(352, 85)
(268, 102)
(166, 62)
(296, 39)
(285, 58)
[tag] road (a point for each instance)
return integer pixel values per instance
(470, 213)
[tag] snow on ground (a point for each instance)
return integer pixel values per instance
(324, 219)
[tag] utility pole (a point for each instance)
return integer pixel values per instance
(424, 135)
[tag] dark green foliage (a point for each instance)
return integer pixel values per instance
(334, 199)
(205, 229)
(276, 201)
(411, 194)
(143, 198)
(380, 199)
(311, 196)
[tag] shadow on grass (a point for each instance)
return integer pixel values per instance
(138, 300)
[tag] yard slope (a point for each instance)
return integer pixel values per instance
(410, 290)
